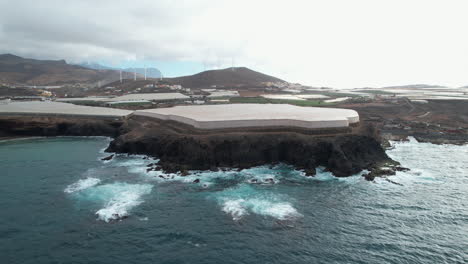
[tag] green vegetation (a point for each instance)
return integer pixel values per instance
(261, 100)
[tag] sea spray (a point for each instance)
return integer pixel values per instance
(118, 207)
(115, 199)
(82, 184)
(244, 199)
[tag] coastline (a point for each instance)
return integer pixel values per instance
(181, 148)
(17, 138)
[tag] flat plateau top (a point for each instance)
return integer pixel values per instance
(249, 115)
(56, 108)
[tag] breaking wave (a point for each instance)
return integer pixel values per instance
(429, 163)
(245, 192)
(244, 199)
(117, 199)
(118, 207)
(240, 207)
(82, 185)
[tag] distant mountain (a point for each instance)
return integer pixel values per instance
(228, 78)
(18, 70)
(150, 72)
(416, 86)
(95, 66)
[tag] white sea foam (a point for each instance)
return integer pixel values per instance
(82, 185)
(238, 208)
(118, 207)
(119, 199)
(131, 161)
(205, 178)
(136, 164)
(278, 210)
(244, 199)
(235, 208)
(115, 199)
(103, 149)
(428, 163)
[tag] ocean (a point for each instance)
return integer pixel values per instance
(60, 203)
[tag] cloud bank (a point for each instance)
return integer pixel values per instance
(337, 43)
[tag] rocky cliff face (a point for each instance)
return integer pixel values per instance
(25, 126)
(181, 148)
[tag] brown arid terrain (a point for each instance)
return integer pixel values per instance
(247, 81)
(437, 121)
(17, 70)
(234, 77)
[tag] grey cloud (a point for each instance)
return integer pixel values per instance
(76, 30)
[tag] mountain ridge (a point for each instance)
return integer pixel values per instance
(18, 70)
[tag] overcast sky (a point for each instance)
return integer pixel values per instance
(339, 43)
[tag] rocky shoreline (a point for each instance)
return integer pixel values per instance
(437, 121)
(181, 148)
(50, 126)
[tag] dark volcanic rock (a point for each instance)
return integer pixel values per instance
(57, 126)
(384, 169)
(181, 149)
(108, 157)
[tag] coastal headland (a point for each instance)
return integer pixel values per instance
(304, 137)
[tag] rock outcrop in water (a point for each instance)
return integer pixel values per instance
(180, 147)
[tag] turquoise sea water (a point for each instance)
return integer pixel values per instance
(59, 202)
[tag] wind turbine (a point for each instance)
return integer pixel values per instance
(99, 80)
(145, 72)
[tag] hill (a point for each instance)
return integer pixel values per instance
(227, 78)
(17, 70)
